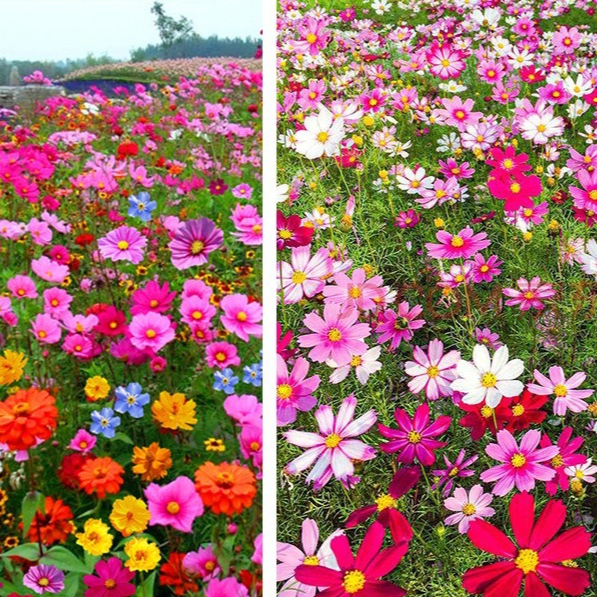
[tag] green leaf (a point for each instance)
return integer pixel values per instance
(123, 437)
(29, 551)
(32, 502)
(71, 585)
(65, 560)
(145, 589)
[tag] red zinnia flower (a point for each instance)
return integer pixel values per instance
(536, 557)
(54, 525)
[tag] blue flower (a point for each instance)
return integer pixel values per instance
(130, 400)
(225, 380)
(141, 206)
(253, 374)
(104, 422)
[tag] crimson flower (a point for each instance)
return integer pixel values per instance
(535, 558)
(524, 410)
(291, 233)
(358, 575)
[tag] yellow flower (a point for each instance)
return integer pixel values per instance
(95, 538)
(174, 411)
(143, 555)
(97, 387)
(214, 445)
(11, 367)
(129, 515)
(151, 462)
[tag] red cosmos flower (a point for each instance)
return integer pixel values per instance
(291, 233)
(84, 239)
(529, 74)
(283, 343)
(349, 157)
(536, 557)
(524, 410)
(126, 149)
(112, 322)
(516, 190)
(385, 506)
(481, 417)
(360, 575)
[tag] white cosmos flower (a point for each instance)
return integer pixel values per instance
(488, 379)
(584, 472)
(363, 366)
(322, 135)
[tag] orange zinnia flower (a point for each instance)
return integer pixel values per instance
(101, 475)
(53, 526)
(226, 488)
(27, 417)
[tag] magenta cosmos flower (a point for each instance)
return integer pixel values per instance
(295, 390)
(150, 331)
(176, 504)
(44, 579)
(401, 325)
(432, 372)
(241, 317)
(530, 294)
(111, 579)
(22, 287)
(193, 243)
(414, 437)
(565, 458)
(567, 396)
(522, 465)
(333, 447)
(457, 246)
(123, 244)
(358, 575)
(336, 336)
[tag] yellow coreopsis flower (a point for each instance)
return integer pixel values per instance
(12, 365)
(151, 462)
(97, 388)
(129, 515)
(95, 538)
(174, 411)
(143, 555)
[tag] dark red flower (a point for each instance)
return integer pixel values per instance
(291, 233)
(481, 417)
(524, 410)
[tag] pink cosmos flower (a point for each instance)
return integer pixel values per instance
(458, 113)
(414, 436)
(227, 587)
(473, 505)
(197, 310)
(150, 331)
(522, 465)
(566, 40)
(41, 233)
(196, 288)
(176, 504)
(484, 270)
(49, 270)
(123, 244)
(585, 197)
(244, 409)
(56, 301)
(530, 294)
(83, 441)
(336, 336)
(333, 449)
(221, 355)
(457, 246)
(304, 275)
(152, 297)
(432, 372)
(364, 365)
(566, 457)
(453, 471)
(567, 396)
(248, 223)
(46, 329)
(78, 324)
(295, 390)
(357, 291)
(399, 326)
(22, 287)
(506, 162)
(488, 338)
(80, 347)
(516, 190)
(202, 563)
(241, 316)
(445, 61)
(193, 242)
(313, 36)
(290, 557)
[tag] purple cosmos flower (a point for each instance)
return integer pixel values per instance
(194, 242)
(454, 470)
(44, 579)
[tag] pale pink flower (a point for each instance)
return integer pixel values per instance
(473, 505)
(567, 396)
(530, 294)
(304, 275)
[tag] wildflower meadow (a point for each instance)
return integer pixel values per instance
(130, 336)
(437, 171)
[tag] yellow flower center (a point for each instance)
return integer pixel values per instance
(123, 245)
(515, 187)
(354, 581)
(508, 164)
(527, 560)
(311, 561)
(356, 361)
(579, 474)
(453, 472)
(593, 195)
(298, 277)
(518, 460)
(529, 295)
(173, 507)
(322, 137)
(110, 583)
(43, 582)
(241, 316)
(433, 372)
(311, 38)
(332, 440)
(385, 501)
(457, 241)
(445, 62)
(557, 461)
(518, 410)
(468, 509)
(460, 114)
(354, 292)
(150, 334)
(197, 247)
(528, 212)
(560, 390)
(488, 380)
(541, 128)
(284, 391)
(414, 437)
(334, 335)
(285, 234)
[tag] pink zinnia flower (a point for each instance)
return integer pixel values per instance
(567, 396)
(522, 465)
(46, 329)
(336, 336)
(530, 294)
(294, 390)
(221, 355)
(49, 270)
(241, 316)
(414, 436)
(457, 246)
(399, 326)
(432, 372)
(473, 505)
(193, 242)
(176, 504)
(22, 287)
(333, 447)
(123, 244)
(150, 331)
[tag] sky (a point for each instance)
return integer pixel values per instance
(60, 29)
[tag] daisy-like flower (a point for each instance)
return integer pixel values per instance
(294, 390)
(457, 246)
(151, 331)
(414, 437)
(193, 243)
(321, 136)
(487, 379)
(413, 182)
(44, 579)
(567, 396)
(445, 61)
(357, 291)
(123, 244)
(583, 472)
(334, 448)
(472, 505)
(539, 127)
(432, 372)
(522, 464)
(399, 326)
(454, 470)
(566, 457)
(530, 294)
(364, 365)
(303, 276)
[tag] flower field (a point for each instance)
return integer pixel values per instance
(437, 253)
(130, 325)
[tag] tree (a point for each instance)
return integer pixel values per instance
(170, 29)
